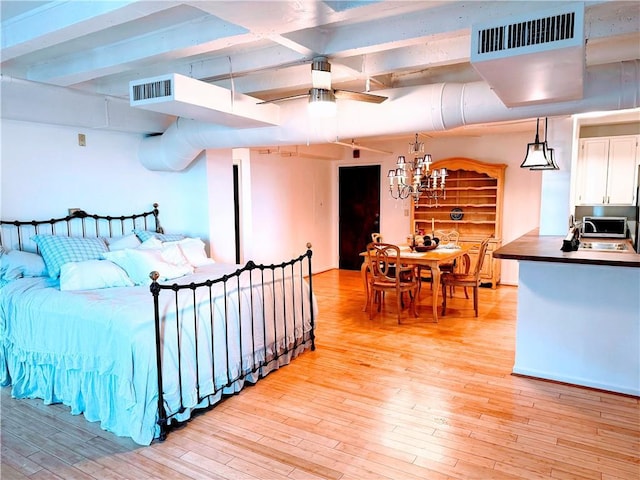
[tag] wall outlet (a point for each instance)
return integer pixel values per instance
(82, 140)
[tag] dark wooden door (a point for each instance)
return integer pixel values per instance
(359, 212)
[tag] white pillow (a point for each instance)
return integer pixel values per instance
(140, 263)
(120, 243)
(193, 251)
(16, 264)
(150, 244)
(92, 274)
(169, 251)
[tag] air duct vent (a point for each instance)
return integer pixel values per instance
(533, 59)
(524, 34)
(175, 94)
(145, 91)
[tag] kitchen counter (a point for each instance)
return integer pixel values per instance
(578, 316)
(536, 248)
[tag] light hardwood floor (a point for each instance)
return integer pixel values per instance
(375, 400)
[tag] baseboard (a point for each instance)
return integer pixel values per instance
(578, 382)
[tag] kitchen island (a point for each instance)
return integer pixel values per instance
(578, 314)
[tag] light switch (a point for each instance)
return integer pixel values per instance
(82, 140)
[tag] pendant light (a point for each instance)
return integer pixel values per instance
(537, 155)
(552, 165)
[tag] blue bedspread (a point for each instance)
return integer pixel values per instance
(95, 350)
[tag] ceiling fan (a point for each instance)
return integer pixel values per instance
(321, 90)
(355, 146)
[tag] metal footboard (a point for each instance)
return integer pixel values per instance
(265, 314)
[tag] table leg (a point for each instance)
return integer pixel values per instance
(435, 284)
(364, 272)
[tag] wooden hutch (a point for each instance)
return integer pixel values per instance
(472, 205)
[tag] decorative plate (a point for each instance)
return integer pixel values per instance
(456, 214)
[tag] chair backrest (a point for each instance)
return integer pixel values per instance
(384, 260)
(482, 250)
(376, 237)
(447, 237)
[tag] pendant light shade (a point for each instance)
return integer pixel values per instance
(537, 152)
(552, 163)
(549, 157)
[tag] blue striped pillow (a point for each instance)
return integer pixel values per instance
(58, 250)
(145, 235)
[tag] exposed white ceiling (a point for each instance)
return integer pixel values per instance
(264, 48)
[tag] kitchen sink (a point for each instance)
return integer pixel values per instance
(605, 246)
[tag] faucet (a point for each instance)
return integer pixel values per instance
(571, 242)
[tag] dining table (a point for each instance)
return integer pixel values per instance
(431, 259)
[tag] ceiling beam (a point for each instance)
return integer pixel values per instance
(57, 22)
(187, 39)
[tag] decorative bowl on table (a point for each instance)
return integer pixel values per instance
(425, 248)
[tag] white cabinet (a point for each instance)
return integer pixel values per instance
(607, 170)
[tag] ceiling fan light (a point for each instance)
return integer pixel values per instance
(321, 73)
(320, 79)
(322, 103)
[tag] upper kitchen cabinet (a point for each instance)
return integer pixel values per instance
(607, 170)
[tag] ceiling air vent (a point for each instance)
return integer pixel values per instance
(145, 91)
(181, 96)
(524, 34)
(534, 59)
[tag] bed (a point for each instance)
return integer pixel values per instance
(138, 329)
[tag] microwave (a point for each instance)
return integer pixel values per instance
(606, 227)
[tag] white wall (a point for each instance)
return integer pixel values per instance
(556, 185)
(292, 203)
(45, 172)
(221, 208)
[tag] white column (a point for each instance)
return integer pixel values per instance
(242, 158)
(221, 213)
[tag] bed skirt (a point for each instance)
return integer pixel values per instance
(102, 397)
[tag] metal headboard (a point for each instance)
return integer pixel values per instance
(16, 234)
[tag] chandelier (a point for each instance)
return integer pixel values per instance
(416, 178)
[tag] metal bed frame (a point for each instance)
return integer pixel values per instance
(16, 234)
(261, 357)
(90, 226)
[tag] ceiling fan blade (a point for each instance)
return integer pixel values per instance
(282, 99)
(359, 96)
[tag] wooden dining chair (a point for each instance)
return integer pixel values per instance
(446, 237)
(465, 279)
(387, 274)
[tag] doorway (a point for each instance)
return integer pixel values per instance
(358, 211)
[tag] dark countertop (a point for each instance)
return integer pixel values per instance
(536, 248)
